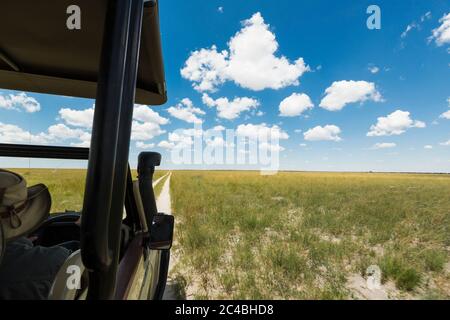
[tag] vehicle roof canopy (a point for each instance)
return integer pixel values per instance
(39, 53)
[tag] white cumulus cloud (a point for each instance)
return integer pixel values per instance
(62, 131)
(218, 128)
(265, 136)
(326, 133)
(206, 68)
(261, 131)
(166, 144)
(143, 145)
(295, 105)
(10, 133)
(446, 115)
(146, 124)
(250, 61)
(180, 138)
(186, 111)
(58, 133)
(19, 102)
(395, 123)
(230, 110)
(144, 113)
(441, 35)
(145, 130)
(84, 140)
(78, 118)
(341, 93)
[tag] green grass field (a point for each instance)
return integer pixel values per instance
(302, 235)
(298, 235)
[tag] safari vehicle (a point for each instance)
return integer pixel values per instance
(115, 57)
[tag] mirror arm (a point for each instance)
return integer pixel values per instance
(146, 168)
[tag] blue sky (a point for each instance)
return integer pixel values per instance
(359, 100)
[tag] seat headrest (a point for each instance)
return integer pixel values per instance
(70, 273)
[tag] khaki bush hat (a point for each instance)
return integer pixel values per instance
(22, 209)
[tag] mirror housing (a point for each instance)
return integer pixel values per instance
(161, 232)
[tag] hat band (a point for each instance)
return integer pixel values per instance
(12, 214)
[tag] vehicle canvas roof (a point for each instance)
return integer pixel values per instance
(39, 53)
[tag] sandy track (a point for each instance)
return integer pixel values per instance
(158, 180)
(164, 205)
(163, 202)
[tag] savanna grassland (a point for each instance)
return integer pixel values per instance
(297, 235)
(310, 235)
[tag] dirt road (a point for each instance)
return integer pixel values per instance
(164, 205)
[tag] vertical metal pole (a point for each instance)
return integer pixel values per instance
(102, 158)
(123, 143)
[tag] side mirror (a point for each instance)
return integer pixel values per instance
(161, 232)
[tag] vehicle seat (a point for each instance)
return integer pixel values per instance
(60, 289)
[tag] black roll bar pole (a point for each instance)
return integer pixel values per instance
(95, 251)
(43, 152)
(123, 143)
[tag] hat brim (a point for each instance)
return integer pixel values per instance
(36, 211)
